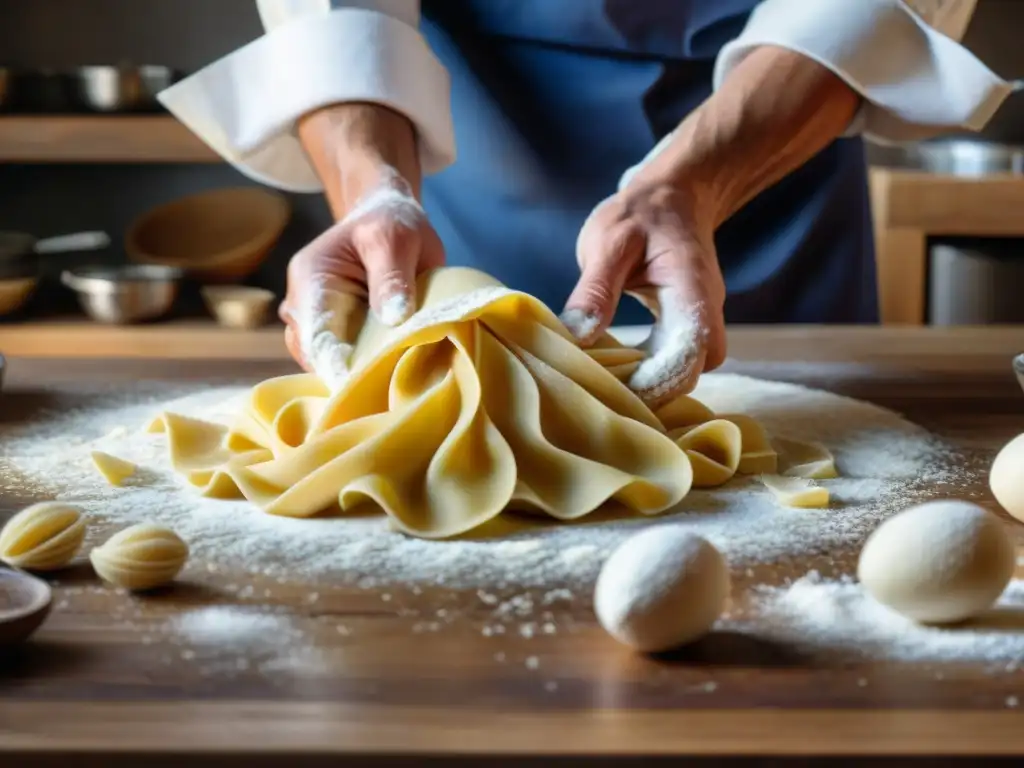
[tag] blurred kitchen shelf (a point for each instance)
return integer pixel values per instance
(179, 339)
(100, 139)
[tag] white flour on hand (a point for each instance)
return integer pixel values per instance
(673, 348)
(315, 320)
(316, 314)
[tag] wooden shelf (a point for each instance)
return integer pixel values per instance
(908, 207)
(184, 340)
(100, 139)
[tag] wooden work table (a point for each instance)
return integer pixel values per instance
(88, 686)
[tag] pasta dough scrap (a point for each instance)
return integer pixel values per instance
(798, 492)
(758, 456)
(714, 449)
(809, 460)
(481, 402)
(114, 470)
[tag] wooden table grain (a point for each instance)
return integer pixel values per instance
(95, 684)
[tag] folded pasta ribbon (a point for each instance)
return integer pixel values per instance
(482, 402)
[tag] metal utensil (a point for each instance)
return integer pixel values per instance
(122, 88)
(22, 255)
(1018, 368)
(127, 294)
(16, 245)
(24, 605)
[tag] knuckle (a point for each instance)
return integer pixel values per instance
(596, 292)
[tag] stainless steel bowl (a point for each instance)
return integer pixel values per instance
(1018, 368)
(122, 88)
(122, 295)
(963, 157)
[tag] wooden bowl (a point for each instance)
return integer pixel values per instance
(15, 292)
(24, 605)
(219, 236)
(238, 306)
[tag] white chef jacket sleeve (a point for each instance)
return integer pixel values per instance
(316, 53)
(915, 79)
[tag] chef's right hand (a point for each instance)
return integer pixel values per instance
(366, 156)
(373, 254)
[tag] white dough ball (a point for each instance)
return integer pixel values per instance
(662, 588)
(938, 563)
(1007, 477)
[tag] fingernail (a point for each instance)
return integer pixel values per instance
(581, 324)
(395, 309)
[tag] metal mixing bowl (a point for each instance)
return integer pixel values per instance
(122, 88)
(1018, 368)
(123, 295)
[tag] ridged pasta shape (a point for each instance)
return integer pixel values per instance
(482, 402)
(43, 537)
(141, 557)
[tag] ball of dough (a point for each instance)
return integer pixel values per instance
(938, 563)
(1007, 477)
(662, 588)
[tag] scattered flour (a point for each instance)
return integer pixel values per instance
(837, 617)
(233, 626)
(884, 460)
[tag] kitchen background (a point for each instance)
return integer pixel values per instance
(53, 199)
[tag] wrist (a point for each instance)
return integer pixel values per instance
(359, 149)
(683, 184)
(772, 114)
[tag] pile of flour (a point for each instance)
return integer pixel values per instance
(885, 461)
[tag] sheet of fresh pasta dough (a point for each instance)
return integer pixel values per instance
(482, 402)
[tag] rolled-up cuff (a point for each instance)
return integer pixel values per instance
(915, 82)
(246, 104)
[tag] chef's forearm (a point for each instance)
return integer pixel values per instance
(774, 112)
(357, 147)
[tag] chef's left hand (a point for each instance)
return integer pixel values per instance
(650, 240)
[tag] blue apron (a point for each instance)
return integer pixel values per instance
(554, 99)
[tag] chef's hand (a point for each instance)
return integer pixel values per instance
(374, 254)
(773, 112)
(367, 159)
(650, 241)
